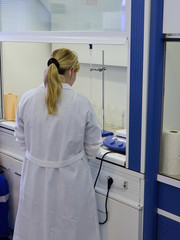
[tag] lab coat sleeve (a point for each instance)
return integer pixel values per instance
(92, 150)
(93, 139)
(19, 129)
(19, 121)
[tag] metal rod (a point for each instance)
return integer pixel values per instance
(98, 69)
(102, 90)
(101, 69)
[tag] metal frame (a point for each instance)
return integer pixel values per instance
(65, 37)
(154, 120)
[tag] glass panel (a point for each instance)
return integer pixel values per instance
(170, 149)
(24, 15)
(27, 62)
(64, 15)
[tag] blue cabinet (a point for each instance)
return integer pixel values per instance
(168, 229)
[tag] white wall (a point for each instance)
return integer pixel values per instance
(115, 94)
(90, 84)
(23, 65)
(115, 55)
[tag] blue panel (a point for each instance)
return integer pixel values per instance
(169, 199)
(155, 94)
(4, 190)
(168, 229)
(136, 73)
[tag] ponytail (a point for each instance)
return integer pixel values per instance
(62, 60)
(54, 88)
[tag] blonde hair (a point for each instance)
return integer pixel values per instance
(67, 60)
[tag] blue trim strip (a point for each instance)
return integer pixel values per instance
(155, 94)
(136, 74)
(168, 229)
(169, 199)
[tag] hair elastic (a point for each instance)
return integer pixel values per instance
(53, 60)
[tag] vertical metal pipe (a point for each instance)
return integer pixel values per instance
(102, 90)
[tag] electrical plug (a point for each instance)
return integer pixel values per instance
(109, 182)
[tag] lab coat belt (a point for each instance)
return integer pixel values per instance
(52, 164)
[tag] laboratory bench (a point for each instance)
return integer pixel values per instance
(126, 196)
(125, 199)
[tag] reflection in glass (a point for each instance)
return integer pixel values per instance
(63, 15)
(170, 148)
(24, 15)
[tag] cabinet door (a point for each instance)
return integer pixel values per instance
(124, 222)
(15, 190)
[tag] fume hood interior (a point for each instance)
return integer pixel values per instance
(23, 66)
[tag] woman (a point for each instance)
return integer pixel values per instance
(59, 132)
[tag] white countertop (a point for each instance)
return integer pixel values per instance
(8, 124)
(112, 157)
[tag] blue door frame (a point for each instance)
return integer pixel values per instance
(136, 75)
(153, 189)
(154, 119)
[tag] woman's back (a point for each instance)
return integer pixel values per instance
(57, 198)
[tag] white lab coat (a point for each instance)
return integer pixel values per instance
(57, 198)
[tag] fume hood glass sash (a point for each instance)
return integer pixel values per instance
(72, 16)
(170, 140)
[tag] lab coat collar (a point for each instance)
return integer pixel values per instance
(67, 86)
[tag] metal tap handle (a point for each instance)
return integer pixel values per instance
(99, 69)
